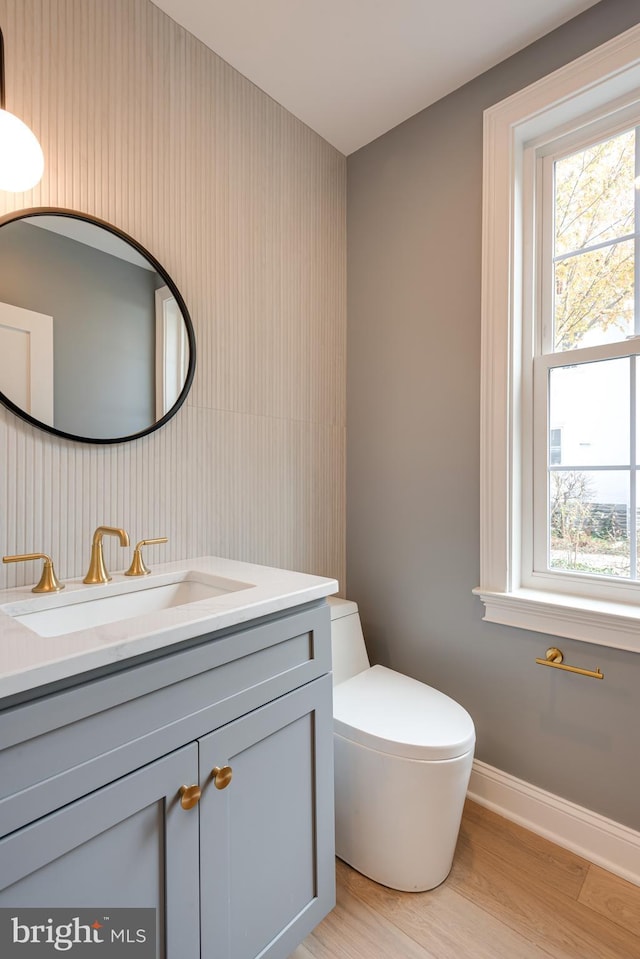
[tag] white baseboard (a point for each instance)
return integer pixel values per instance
(599, 840)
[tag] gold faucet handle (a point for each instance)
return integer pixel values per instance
(138, 567)
(49, 582)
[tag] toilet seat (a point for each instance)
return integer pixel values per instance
(395, 714)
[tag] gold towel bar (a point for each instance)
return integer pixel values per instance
(555, 657)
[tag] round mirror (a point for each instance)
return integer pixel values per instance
(96, 343)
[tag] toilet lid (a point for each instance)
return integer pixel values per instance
(395, 714)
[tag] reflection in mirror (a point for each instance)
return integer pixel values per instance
(95, 340)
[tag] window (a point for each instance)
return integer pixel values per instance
(560, 470)
(555, 446)
(585, 324)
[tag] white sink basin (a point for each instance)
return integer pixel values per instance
(99, 605)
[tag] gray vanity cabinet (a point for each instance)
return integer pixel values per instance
(127, 843)
(267, 858)
(90, 810)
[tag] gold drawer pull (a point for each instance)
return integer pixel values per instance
(221, 776)
(189, 796)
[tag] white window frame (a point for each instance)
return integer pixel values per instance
(606, 79)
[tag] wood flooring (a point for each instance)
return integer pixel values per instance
(510, 895)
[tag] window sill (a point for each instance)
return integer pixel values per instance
(572, 617)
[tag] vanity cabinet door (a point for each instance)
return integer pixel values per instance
(266, 838)
(128, 844)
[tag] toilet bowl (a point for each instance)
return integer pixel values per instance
(403, 755)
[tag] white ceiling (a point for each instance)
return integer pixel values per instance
(92, 235)
(353, 69)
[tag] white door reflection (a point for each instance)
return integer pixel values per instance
(172, 351)
(26, 360)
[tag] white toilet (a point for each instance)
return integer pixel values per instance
(403, 755)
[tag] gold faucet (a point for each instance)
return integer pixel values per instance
(97, 572)
(49, 582)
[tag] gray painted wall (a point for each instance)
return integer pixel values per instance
(414, 256)
(103, 312)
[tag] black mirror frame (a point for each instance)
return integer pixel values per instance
(96, 221)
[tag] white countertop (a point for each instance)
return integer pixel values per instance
(28, 660)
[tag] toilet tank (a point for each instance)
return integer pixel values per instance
(348, 651)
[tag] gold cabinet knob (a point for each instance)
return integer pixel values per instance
(222, 776)
(189, 796)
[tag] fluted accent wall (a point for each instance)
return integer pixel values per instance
(244, 205)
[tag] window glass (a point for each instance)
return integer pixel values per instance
(594, 209)
(589, 522)
(589, 402)
(589, 528)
